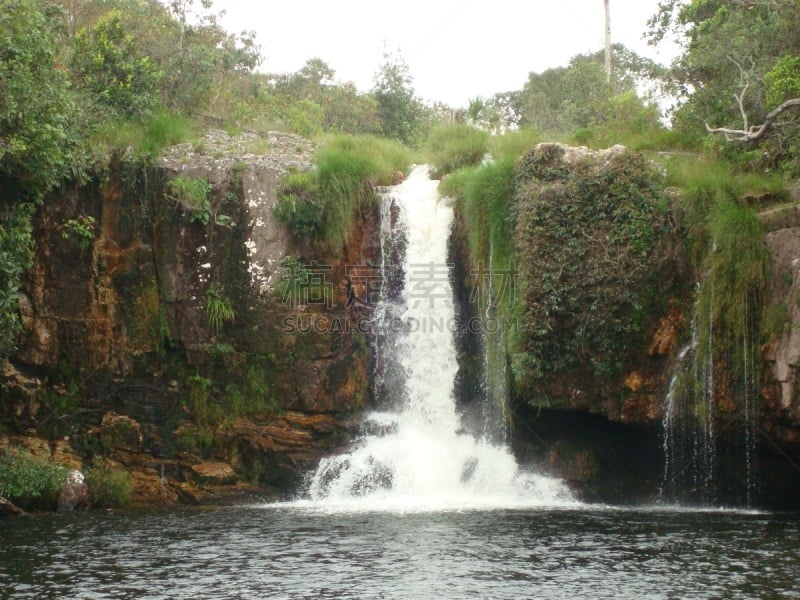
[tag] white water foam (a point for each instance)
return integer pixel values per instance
(417, 457)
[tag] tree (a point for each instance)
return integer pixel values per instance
(608, 40)
(138, 55)
(398, 108)
(737, 69)
(35, 143)
(782, 91)
(311, 99)
(567, 98)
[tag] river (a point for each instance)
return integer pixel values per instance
(288, 552)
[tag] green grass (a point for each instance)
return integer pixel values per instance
(704, 184)
(513, 144)
(488, 210)
(144, 138)
(449, 148)
(324, 204)
(108, 487)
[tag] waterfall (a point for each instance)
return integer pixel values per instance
(699, 465)
(414, 453)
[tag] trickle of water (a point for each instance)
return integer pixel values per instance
(416, 455)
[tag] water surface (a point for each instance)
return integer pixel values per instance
(287, 552)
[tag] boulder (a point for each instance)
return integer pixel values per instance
(74, 494)
(120, 432)
(214, 472)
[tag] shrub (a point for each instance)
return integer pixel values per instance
(30, 482)
(109, 65)
(108, 487)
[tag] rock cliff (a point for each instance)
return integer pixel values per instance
(155, 302)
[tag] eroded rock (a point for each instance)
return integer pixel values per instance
(120, 432)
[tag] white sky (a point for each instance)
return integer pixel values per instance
(455, 49)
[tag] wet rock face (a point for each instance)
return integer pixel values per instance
(153, 253)
(782, 353)
(157, 256)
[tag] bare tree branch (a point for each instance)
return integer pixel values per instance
(744, 77)
(756, 132)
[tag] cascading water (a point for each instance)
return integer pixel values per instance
(494, 385)
(701, 443)
(416, 455)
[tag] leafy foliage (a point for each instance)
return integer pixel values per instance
(29, 481)
(108, 487)
(107, 62)
(36, 147)
(591, 236)
(783, 81)
(83, 228)
(35, 105)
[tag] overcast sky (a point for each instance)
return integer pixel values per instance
(455, 49)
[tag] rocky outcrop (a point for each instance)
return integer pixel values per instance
(600, 270)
